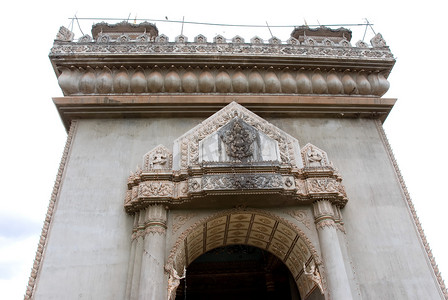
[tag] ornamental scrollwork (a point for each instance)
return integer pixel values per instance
(156, 189)
(301, 216)
(322, 185)
(243, 181)
(309, 49)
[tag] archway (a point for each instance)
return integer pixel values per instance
(256, 228)
(238, 272)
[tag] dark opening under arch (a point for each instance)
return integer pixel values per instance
(238, 272)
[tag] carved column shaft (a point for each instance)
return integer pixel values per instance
(132, 257)
(153, 285)
(337, 279)
(137, 259)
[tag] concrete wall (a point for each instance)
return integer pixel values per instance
(89, 240)
(383, 244)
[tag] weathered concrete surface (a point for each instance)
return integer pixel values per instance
(90, 237)
(89, 240)
(387, 255)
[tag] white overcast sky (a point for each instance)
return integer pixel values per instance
(33, 136)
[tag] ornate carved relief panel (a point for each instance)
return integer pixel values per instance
(234, 152)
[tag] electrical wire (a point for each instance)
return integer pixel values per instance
(221, 24)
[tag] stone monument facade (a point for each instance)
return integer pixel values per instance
(273, 145)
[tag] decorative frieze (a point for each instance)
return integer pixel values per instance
(241, 181)
(178, 79)
(236, 44)
(156, 189)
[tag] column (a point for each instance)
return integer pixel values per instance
(153, 284)
(132, 257)
(137, 262)
(337, 279)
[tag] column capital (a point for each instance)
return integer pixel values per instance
(155, 219)
(325, 214)
(323, 209)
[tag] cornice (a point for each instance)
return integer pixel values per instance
(142, 106)
(229, 55)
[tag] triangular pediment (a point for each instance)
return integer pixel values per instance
(259, 141)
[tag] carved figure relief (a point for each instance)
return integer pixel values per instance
(173, 281)
(314, 275)
(158, 158)
(314, 157)
(238, 141)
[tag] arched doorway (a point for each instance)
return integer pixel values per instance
(275, 239)
(238, 272)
